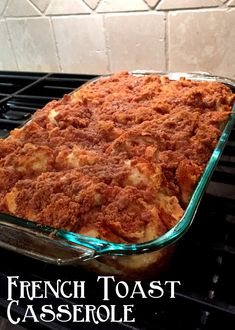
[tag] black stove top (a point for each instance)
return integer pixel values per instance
(203, 262)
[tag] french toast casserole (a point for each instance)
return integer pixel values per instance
(117, 159)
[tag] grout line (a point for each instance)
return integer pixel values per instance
(124, 11)
(92, 9)
(204, 9)
(96, 5)
(184, 10)
(55, 43)
(199, 9)
(35, 7)
(42, 12)
(152, 7)
(158, 3)
(22, 17)
(18, 18)
(166, 43)
(11, 45)
(47, 6)
(4, 8)
(69, 15)
(47, 16)
(229, 9)
(149, 8)
(107, 48)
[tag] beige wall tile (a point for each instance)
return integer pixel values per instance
(2, 6)
(92, 3)
(136, 41)
(33, 44)
(81, 44)
(121, 5)
(67, 7)
(178, 4)
(231, 3)
(16, 8)
(7, 59)
(202, 41)
(41, 4)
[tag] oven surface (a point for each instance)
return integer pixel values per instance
(204, 261)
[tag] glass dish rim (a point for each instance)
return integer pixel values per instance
(101, 247)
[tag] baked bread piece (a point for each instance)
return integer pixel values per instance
(118, 159)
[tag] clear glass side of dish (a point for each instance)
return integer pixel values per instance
(63, 247)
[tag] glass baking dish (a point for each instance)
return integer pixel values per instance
(140, 260)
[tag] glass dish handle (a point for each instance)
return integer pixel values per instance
(44, 247)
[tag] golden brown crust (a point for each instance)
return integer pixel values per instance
(118, 159)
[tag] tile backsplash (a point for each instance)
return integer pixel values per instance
(102, 36)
